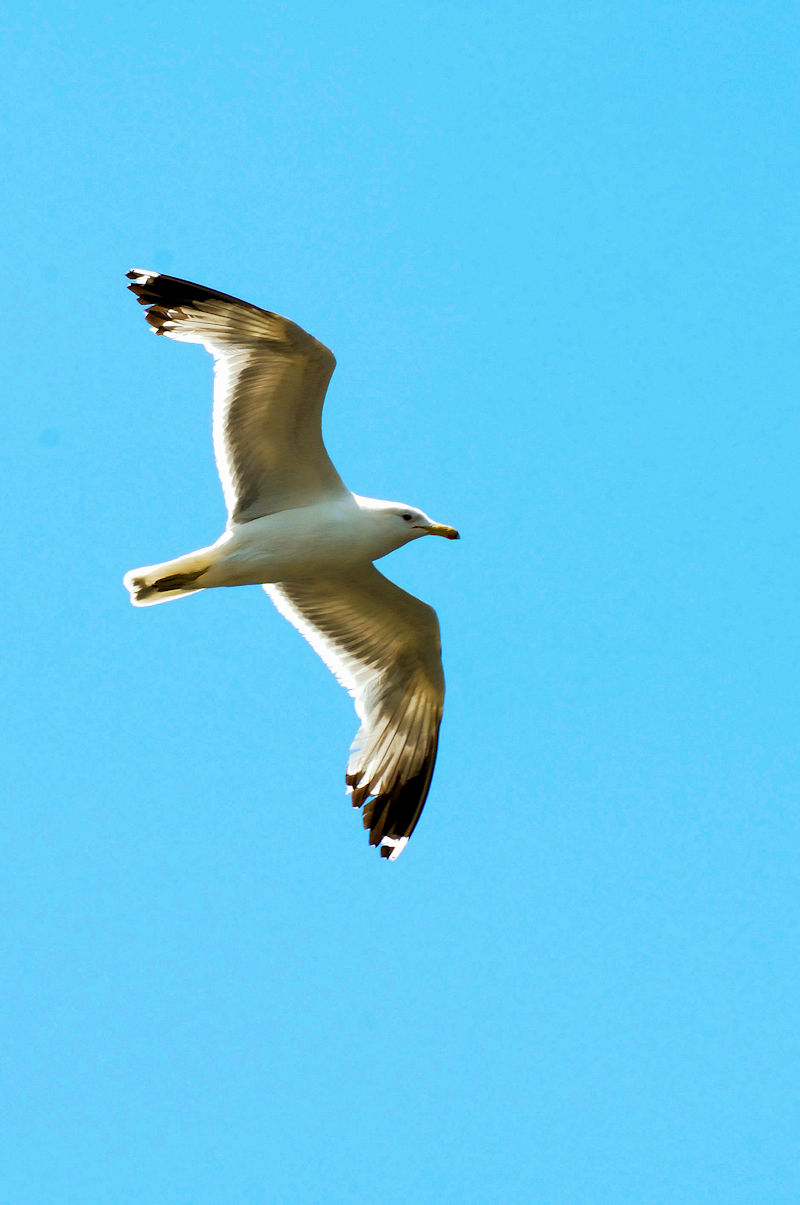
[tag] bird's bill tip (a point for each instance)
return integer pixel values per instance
(440, 529)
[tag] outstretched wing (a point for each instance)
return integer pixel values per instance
(383, 645)
(270, 382)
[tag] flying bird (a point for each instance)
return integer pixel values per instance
(295, 528)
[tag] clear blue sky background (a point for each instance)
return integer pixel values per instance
(554, 249)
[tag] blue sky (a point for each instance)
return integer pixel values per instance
(554, 249)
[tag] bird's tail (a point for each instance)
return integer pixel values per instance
(172, 579)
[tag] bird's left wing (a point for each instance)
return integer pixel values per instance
(383, 646)
(270, 382)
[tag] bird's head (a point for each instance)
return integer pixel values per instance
(410, 523)
(421, 524)
(400, 523)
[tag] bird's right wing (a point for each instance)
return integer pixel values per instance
(383, 646)
(270, 383)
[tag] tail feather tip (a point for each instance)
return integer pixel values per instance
(146, 588)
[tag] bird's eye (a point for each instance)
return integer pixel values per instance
(407, 517)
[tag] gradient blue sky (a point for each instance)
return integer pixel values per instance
(554, 249)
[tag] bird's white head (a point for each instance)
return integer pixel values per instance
(399, 524)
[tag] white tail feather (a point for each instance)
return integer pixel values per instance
(171, 579)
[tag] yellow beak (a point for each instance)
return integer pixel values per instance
(439, 529)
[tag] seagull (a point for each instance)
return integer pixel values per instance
(295, 528)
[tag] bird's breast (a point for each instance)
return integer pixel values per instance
(306, 542)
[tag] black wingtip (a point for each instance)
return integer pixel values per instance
(173, 292)
(392, 817)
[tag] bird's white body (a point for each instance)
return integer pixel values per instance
(304, 542)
